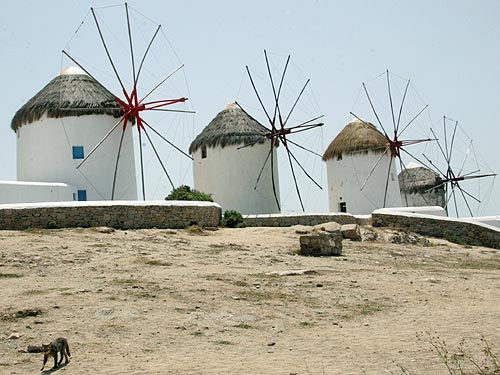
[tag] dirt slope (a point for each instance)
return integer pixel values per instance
(183, 302)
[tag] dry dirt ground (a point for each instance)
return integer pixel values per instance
(224, 302)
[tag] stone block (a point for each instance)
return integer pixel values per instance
(330, 227)
(321, 244)
(351, 232)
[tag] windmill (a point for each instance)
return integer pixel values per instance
(395, 119)
(456, 174)
(281, 125)
(133, 80)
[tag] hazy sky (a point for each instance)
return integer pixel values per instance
(449, 50)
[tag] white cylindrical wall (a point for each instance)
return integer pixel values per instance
(347, 175)
(45, 154)
(230, 176)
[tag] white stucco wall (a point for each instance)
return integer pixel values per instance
(489, 220)
(44, 153)
(347, 176)
(230, 176)
(30, 192)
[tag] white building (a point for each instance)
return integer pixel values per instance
(229, 172)
(361, 176)
(59, 126)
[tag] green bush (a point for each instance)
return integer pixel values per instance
(184, 193)
(233, 219)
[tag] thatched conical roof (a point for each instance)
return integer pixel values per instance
(357, 136)
(231, 126)
(418, 179)
(71, 93)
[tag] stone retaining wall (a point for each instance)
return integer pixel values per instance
(456, 230)
(116, 214)
(288, 220)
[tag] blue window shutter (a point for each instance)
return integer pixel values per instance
(82, 195)
(78, 152)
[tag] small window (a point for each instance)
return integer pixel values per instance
(82, 195)
(339, 157)
(343, 207)
(203, 152)
(74, 196)
(78, 152)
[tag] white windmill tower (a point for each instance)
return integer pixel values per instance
(61, 124)
(230, 163)
(354, 185)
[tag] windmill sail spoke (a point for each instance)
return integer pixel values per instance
(142, 162)
(263, 166)
(294, 178)
(280, 86)
(130, 43)
(411, 142)
(401, 106)
(102, 140)
(466, 157)
(463, 192)
(446, 140)
(171, 110)
(469, 175)
(161, 83)
(434, 165)
(455, 201)
(303, 169)
(374, 167)
(295, 103)
(403, 178)
(374, 111)
(166, 140)
(276, 94)
(246, 113)
(272, 179)
(258, 97)
(415, 158)
(116, 164)
(161, 103)
(413, 119)
(248, 144)
(301, 128)
(453, 139)
(159, 158)
(444, 183)
(303, 148)
(80, 66)
(387, 182)
(311, 120)
(443, 153)
(390, 100)
(145, 55)
(360, 119)
(107, 50)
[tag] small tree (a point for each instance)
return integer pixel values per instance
(233, 219)
(184, 193)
